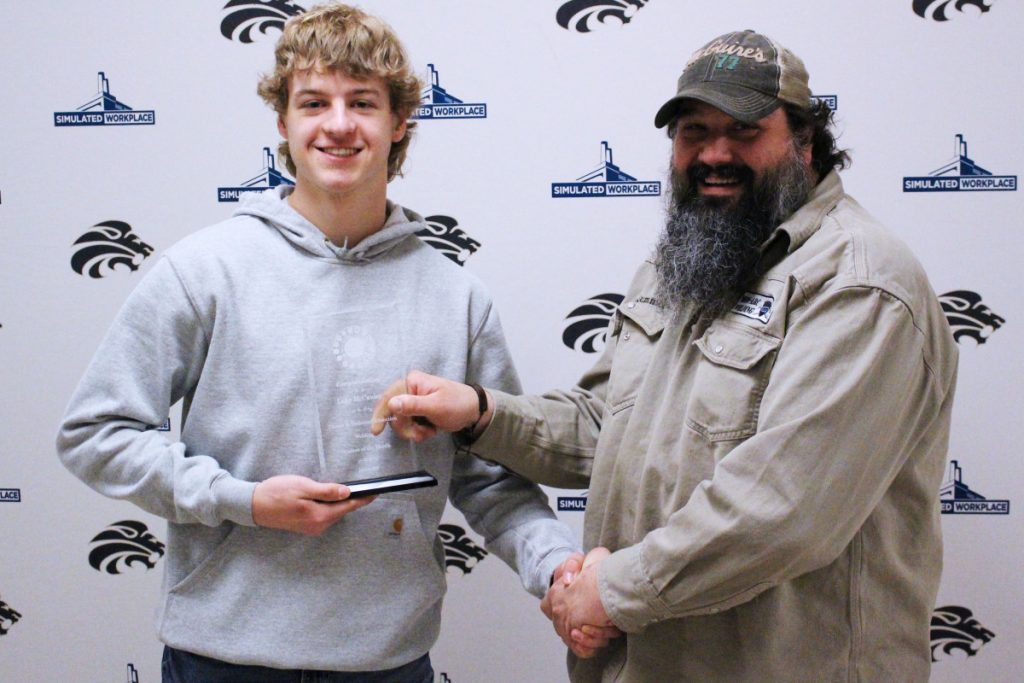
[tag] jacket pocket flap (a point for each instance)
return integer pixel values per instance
(736, 347)
(650, 319)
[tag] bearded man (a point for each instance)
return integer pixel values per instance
(765, 433)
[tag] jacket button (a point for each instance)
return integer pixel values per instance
(718, 349)
(631, 304)
(397, 525)
(626, 336)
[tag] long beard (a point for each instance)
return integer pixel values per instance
(710, 248)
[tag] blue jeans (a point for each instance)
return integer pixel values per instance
(179, 666)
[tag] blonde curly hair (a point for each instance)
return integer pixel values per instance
(362, 46)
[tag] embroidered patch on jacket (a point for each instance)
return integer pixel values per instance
(756, 306)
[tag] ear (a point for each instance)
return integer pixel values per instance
(281, 128)
(400, 128)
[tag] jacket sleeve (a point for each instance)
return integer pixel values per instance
(550, 438)
(844, 406)
(511, 513)
(151, 357)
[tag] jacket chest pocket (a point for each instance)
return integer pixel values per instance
(637, 329)
(731, 377)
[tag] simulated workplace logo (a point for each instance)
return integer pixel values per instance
(268, 178)
(438, 103)
(104, 110)
(956, 498)
(968, 316)
(122, 545)
(443, 234)
(607, 180)
(586, 326)
(936, 9)
(573, 503)
(831, 101)
(584, 16)
(245, 16)
(960, 174)
(954, 629)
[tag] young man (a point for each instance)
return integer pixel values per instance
(765, 434)
(274, 329)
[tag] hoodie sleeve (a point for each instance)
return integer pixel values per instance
(511, 513)
(151, 357)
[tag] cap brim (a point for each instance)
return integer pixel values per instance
(738, 102)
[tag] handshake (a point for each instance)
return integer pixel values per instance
(420, 406)
(573, 604)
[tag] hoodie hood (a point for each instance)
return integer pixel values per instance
(272, 208)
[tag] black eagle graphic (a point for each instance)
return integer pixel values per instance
(262, 15)
(123, 544)
(587, 328)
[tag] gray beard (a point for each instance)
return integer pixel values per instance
(710, 248)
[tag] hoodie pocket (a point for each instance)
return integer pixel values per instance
(371, 581)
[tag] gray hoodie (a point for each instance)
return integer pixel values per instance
(278, 342)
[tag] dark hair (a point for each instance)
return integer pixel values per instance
(814, 126)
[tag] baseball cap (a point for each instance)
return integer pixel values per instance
(743, 73)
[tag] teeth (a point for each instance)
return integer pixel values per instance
(709, 181)
(340, 151)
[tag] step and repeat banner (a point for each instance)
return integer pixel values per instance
(131, 124)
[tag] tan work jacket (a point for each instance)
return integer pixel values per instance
(769, 482)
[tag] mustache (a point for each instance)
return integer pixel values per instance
(700, 171)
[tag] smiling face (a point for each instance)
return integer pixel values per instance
(339, 132)
(733, 184)
(723, 157)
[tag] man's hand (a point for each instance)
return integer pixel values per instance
(447, 406)
(574, 605)
(569, 568)
(299, 504)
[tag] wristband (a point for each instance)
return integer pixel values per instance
(466, 434)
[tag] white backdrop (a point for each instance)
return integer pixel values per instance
(905, 84)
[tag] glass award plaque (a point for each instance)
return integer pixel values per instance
(353, 357)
